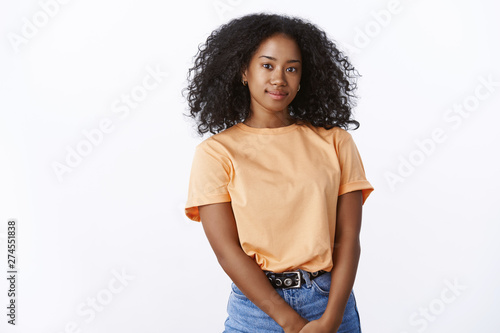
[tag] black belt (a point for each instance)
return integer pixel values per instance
(290, 279)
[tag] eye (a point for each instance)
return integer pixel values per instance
(291, 69)
(268, 66)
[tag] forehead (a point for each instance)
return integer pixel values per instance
(279, 46)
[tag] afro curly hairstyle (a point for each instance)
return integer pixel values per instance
(218, 100)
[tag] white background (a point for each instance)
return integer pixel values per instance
(120, 209)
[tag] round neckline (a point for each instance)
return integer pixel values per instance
(267, 130)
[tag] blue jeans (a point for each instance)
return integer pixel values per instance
(309, 301)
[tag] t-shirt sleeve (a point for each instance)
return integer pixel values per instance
(352, 177)
(210, 175)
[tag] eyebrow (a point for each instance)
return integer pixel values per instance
(272, 58)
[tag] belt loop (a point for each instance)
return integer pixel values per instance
(306, 278)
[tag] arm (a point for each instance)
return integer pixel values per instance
(220, 227)
(346, 255)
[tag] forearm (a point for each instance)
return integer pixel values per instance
(345, 258)
(253, 282)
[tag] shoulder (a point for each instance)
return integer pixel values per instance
(336, 135)
(341, 135)
(218, 144)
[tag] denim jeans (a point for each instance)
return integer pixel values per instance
(309, 301)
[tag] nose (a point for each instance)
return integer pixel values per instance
(278, 77)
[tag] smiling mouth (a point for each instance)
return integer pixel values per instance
(277, 94)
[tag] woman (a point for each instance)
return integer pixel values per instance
(279, 187)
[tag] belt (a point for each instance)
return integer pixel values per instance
(290, 279)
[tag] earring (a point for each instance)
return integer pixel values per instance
(299, 88)
(244, 82)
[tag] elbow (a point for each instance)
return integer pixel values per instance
(227, 257)
(356, 245)
(352, 245)
(223, 261)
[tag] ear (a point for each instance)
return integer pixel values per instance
(244, 74)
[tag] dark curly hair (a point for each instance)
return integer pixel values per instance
(217, 99)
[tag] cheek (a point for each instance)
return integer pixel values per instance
(258, 77)
(298, 78)
(254, 89)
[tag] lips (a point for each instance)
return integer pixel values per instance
(275, 94)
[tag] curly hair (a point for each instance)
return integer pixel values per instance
(217, 99)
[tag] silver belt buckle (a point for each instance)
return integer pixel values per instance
(287, 282)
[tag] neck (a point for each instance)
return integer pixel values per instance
(269, 123)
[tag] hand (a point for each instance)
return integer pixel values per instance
(318, 326)
(296, 326)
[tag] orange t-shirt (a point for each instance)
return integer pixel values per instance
(283, 184)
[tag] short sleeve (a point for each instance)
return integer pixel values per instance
(210, 175)
(352, 177)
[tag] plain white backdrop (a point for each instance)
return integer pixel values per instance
(96, 154)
